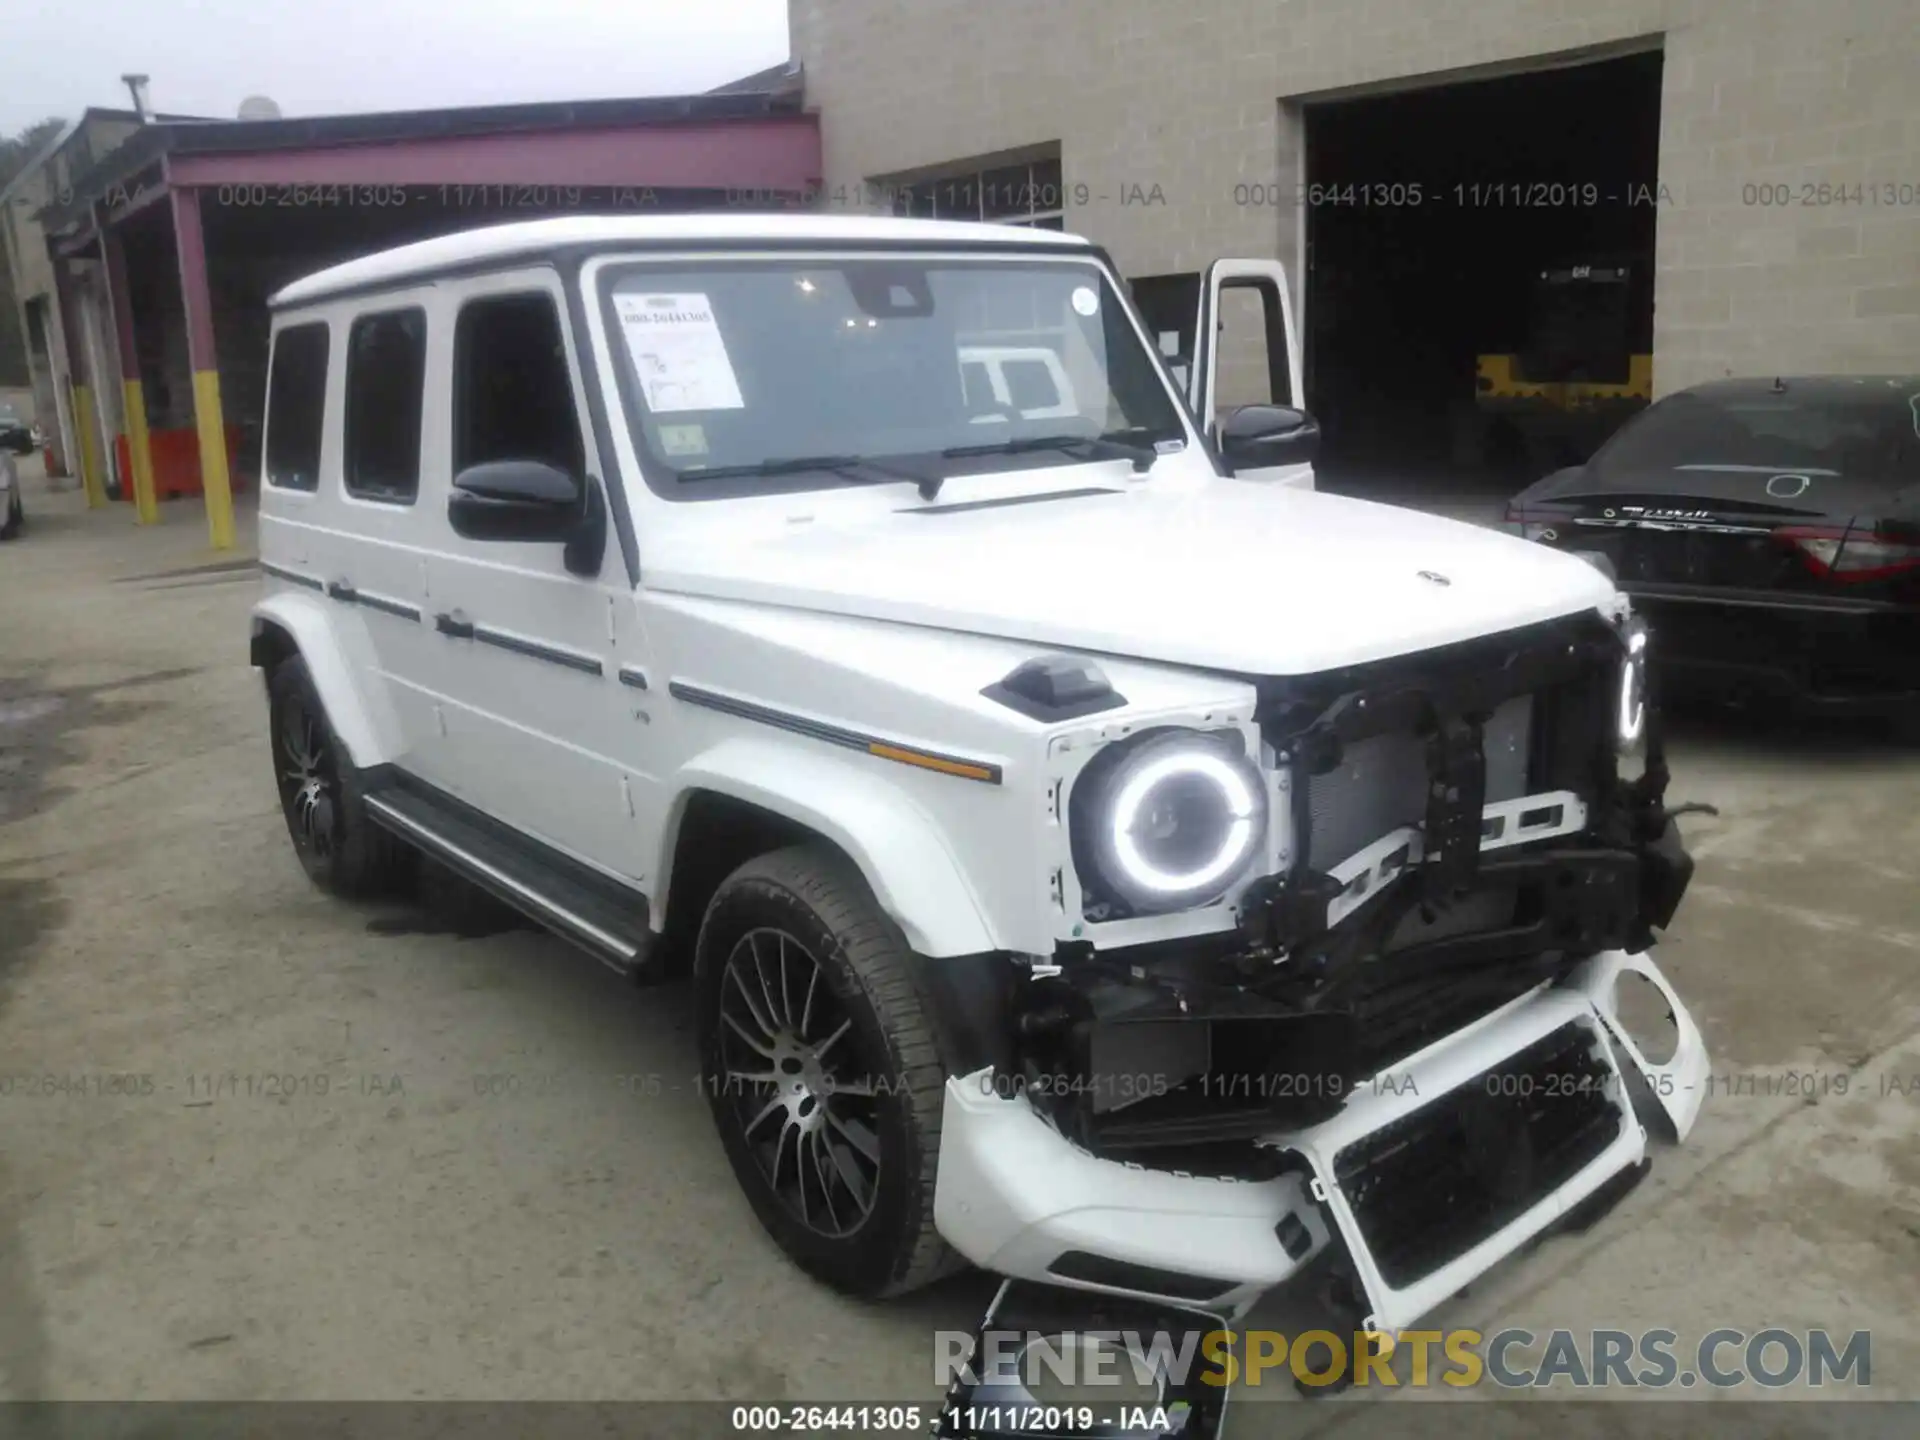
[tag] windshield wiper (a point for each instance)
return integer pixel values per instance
(1102, 446)
(863, 470)
(786, 465)
(847, 467)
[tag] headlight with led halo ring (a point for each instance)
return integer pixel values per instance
(1167, 820)
(1630, 706)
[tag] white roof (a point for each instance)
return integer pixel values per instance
(503, 242)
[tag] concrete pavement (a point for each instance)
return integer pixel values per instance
(305, 1150)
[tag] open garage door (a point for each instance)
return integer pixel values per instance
(1480, 274)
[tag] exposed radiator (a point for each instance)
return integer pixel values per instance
(1381, 784)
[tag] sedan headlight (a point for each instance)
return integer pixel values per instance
(1630, 711)
(1168, 820)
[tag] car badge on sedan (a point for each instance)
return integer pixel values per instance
(1435, 577)
(1788, 487)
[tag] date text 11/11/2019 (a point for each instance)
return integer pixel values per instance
(545, 199)
(992, 1419)
(1468, 195)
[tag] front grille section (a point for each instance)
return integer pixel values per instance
(1432, 1185)
(1380, 783)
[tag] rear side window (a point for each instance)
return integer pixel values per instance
(512, 391)
(296, 406)
(386, 369)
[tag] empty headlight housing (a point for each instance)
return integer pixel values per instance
(1167, 820)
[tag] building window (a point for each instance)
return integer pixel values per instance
(512, 390)
(386, 368)
(1026, 193)
(296, 406)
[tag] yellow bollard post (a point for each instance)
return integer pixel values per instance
(209, 423)
(86, 421)
(214, 480)
(146, 507)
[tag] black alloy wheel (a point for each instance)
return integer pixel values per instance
(822, 1070)
(321, 791)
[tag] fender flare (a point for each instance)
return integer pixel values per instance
(359, 713)
(895, 843)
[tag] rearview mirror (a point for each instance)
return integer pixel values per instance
(1258, 437)
(531, 501)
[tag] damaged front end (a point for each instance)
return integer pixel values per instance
(1458, 833)
(1404, 1046)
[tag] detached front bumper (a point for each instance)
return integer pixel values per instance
(1546, 1098)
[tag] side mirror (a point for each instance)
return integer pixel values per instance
(1257, 437)
(531, 501)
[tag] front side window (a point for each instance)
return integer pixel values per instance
(386, 371)
(296, 406)
(512, 388)
(937, 365)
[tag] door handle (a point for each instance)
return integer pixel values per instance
(455, 624)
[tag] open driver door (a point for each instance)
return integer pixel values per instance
(1244, 377)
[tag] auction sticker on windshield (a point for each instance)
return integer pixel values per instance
(683, 439)
(678, 353)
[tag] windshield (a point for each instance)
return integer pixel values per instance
(1863, 435)
(742, 377)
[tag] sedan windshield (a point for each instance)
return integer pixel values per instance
(1861, 433)
(776, 374)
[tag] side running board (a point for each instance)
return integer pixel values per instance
(601, 916)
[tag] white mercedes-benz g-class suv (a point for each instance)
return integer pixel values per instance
(1098, 854)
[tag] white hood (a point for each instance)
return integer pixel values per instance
(1223, 574)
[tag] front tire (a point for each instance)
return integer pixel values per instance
(821, 1067)
(16, 517)
(321, 794)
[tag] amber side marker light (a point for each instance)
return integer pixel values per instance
(965, 769)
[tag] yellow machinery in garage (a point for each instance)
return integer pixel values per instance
(1586, 365)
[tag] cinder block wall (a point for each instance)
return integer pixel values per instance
(1189, 97)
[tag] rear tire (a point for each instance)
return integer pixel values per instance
(822, 1070)
(322, 794)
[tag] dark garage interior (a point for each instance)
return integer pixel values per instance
(1435, 218)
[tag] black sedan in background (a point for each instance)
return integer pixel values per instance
(1769, 530)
